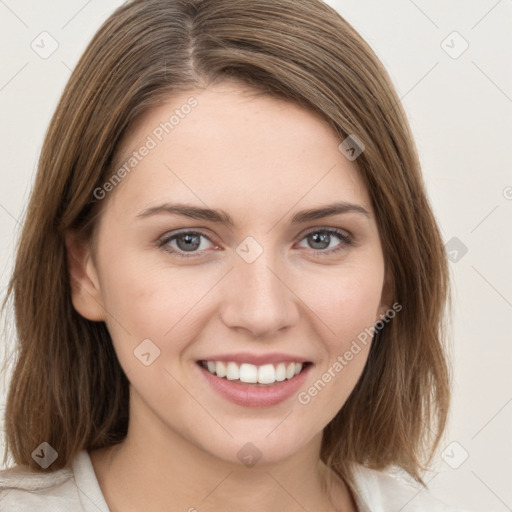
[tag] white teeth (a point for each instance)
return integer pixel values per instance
(250, 373)
(232, 372)
(220, 369)
(266, 374)
(280, 372)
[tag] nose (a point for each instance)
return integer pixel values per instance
(258, 299)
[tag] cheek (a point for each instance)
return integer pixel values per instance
(151, 300)
(346, 300)
(348, 305)
(136, 308)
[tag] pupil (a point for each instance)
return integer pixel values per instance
(192, 242)
(320, 238)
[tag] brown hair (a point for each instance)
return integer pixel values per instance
(68, 388)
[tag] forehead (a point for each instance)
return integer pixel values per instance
(230, 145)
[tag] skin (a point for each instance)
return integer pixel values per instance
(181, 449)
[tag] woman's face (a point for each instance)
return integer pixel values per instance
(278, 284)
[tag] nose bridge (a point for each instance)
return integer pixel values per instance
(257, 298)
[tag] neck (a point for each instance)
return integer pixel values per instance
(179, 475)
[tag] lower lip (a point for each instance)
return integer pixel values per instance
(252, 395)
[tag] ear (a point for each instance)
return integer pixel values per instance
(387, 295)
(83, 278)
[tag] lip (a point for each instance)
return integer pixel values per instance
(254, 395)
(256, 359)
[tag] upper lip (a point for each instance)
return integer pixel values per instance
(257, 359)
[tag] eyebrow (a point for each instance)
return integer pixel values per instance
(221, 217)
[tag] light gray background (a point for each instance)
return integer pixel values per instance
(460, 110)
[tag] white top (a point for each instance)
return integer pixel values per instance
(76, 489)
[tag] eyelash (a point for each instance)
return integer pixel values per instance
(345, 238)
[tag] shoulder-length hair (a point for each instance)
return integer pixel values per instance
(68, 388)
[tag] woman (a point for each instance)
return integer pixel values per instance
(230, 284)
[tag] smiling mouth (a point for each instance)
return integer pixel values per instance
(246, 373)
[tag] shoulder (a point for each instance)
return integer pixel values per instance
(23, 491)
(379, 491)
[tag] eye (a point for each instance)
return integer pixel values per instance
(185, 242)
(321, 240)
(190, 243)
